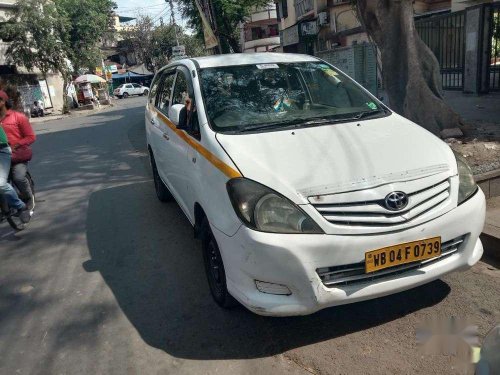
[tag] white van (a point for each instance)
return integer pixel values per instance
(305, 190)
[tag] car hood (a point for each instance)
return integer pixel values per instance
(338, 158)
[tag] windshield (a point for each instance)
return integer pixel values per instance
(274, 96)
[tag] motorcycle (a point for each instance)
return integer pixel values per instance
(8, 214)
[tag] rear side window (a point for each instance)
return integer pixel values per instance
(154, 88)
(181, 89)
(165, 92)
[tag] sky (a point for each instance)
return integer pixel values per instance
(155, 9)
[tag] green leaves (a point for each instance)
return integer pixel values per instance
(229, 14)
(153, 44)
(47, 34)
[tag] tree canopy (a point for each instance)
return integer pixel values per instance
(88, 21)
(153, 44)
(44, 34)
(228, 15)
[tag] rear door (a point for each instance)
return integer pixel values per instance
(137, 89)
(160, 98)
(177, 152)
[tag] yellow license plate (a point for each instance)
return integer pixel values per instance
(408, 252)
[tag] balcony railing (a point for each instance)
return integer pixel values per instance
(303, 6)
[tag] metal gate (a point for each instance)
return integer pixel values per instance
(494, 49)
(358, 62)
(445, 36)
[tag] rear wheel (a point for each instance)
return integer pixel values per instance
(125, 95)
(214, 268)
(146, 92)
(162, 192)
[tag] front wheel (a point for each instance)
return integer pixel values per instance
(125, 95)
(214, 268)
(146, 92)
(14, 221)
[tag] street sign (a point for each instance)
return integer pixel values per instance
(178, 51)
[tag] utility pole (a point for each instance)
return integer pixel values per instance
(172, 19)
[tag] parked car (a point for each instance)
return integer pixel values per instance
(128, 89)
(305, 190)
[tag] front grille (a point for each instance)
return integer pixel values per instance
(375, 214)
(355, 273)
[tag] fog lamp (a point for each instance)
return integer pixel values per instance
(271, 288)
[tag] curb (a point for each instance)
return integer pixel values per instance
(82, 113)
(489, 183)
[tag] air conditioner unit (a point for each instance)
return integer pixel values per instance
(322, 18)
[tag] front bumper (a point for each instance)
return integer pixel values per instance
(292, 260)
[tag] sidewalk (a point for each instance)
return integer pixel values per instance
(73, 113)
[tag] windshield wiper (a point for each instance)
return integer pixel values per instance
(366, 114)
(273, 125)
(314, 121)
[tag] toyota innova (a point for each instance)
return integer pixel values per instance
(305, 190)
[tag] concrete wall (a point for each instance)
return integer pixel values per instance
(457, 5)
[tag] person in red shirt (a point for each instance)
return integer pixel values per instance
(20, 135)
(5, 161)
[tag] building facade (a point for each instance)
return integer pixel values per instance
(260, 33)
(32, 85)
(309, 26)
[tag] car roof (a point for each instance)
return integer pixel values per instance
(248, 58)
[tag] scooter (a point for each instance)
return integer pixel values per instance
(9, 215)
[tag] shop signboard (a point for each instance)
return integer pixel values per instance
(309, 28)
(47, 102)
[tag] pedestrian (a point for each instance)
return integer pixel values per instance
(6, 190)
(20, 136)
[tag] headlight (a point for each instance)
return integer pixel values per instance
(265, 210)
(467, 185)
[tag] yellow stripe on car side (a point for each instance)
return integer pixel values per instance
(214, 160)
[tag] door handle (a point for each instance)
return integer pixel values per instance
(165, 135)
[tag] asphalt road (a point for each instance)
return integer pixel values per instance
(106, 280)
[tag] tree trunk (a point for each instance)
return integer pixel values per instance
(65, 93)
(410, 70)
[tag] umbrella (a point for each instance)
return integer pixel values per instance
(92, 78)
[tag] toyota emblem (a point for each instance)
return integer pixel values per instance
(396, 201)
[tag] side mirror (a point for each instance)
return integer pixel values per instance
(175, 114)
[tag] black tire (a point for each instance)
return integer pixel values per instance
(125, 95)
(145, 92)
(13, 221)
(162, 192)
(214, 268)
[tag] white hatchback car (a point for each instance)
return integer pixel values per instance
(128, 89)
(305, 190)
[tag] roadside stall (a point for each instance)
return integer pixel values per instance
(92, 89)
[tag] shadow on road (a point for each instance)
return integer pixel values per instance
(146, 254)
